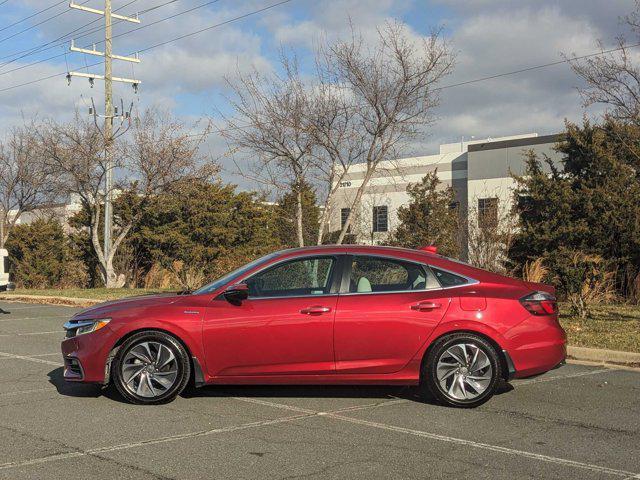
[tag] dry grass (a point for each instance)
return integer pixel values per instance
(534, 271)
(613, 326)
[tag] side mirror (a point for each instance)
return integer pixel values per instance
(235, 294)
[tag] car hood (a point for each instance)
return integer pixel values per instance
(106, 309)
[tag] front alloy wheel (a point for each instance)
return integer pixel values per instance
(151, 367)
(462, 370)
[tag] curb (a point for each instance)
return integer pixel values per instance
(603, 356)
(51, 300)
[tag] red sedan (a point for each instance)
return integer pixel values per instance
(325, 315)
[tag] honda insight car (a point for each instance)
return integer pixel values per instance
(356, 315)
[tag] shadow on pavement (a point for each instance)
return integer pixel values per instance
(304, 391)
(265, 391)
(72, 389)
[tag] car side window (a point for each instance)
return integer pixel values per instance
(306, 276)
(375, 274)
(448, 279)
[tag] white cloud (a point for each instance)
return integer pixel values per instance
(491, 36)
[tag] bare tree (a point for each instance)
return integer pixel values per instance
(25, 182)
(393, 89)
(489, 237)
(362, 106)
(338, 143)
(270, 124)
(612, 77)
(154, 154)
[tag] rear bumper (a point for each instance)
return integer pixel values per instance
(537, 345)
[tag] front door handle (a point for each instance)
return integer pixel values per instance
(425, 306)
(315, 310)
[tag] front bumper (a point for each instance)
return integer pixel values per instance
(85, 356)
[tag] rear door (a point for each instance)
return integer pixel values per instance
(386, 311)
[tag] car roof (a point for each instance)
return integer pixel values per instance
(417, 255)
(401, 252)
(356, 248)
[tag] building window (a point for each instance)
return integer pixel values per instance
(488, 212)
(380, 219)
(344, 214)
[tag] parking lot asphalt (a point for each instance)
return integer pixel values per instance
(577, 422)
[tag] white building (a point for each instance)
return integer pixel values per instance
(479, 171)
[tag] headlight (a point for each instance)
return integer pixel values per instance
(79, 327)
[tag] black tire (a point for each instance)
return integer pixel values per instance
(449, 394)
(157, 393)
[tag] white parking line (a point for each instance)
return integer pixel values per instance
(30, 307)
(460, 441)
(30, 359)
(59, 332)
(57, 354)
(486, 446)
(562, 377)
(24, 392)
(156, 441)
(42, 317)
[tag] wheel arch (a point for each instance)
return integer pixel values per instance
(505, 362)
(197, 376)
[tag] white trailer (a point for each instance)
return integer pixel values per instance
(5, 284)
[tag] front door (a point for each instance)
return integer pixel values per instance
(284, 327)
(390, 309)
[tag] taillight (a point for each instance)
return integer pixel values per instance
(540, 303)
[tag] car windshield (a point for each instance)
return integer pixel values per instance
(216, 284)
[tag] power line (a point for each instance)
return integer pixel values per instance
(215, 26)
(37, 62)
(48, 19)
(63, 38)
(3, 2)
(32, 15)
(468, 82)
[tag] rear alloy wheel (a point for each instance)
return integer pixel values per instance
(151, 367)
(462, 370)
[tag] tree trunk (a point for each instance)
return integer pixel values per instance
(321, 225)
(112, 279)
(299, 228)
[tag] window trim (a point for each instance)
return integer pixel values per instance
(342, 274)
(346, 276)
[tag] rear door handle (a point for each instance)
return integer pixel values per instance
(425, 306)
(315, 310)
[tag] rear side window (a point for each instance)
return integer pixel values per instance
(374, 274)
(5, 265)
(448, 279)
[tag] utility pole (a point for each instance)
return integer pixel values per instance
(108, 129)
(109, 113)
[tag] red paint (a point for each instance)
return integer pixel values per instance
(338, 338)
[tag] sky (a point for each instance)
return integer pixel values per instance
(187, 76)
